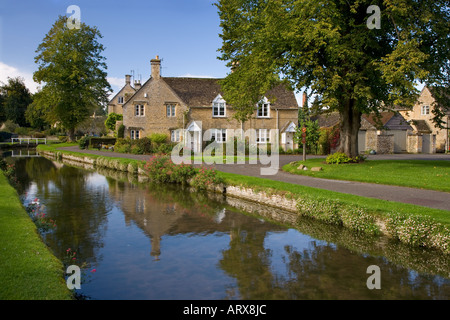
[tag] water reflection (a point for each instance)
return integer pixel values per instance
(163, 242)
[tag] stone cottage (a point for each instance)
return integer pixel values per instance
(185, 108)
(117, 102)
(387, 133)
(426, 137)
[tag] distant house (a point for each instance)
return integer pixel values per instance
(117, 102)
(430, 138)
(387, 133)
(184, 108)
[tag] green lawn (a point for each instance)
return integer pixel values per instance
(422, 174)
(28, 270)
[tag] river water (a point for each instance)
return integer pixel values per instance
(145, 241)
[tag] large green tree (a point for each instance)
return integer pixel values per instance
(331, 49)
(16, 98)
(73, 72)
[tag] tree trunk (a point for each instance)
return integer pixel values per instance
(349, 128)
(72, 135)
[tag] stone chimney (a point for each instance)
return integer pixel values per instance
(137, 84)
(156, 68)
(127, 79)
(305, 100)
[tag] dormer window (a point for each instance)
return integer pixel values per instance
(425, 110)
(120, 100)
(263, 109)
(219, 107)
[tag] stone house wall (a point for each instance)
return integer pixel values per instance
(414, 143)
(385, 143)
(426, 98)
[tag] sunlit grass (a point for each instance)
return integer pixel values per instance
(422, 174)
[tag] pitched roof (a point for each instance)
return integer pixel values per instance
(387, 120)
(195, 91)
(327, 120)
(200, 92)
(421, 126)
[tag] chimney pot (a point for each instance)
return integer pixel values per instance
(305, 100)
(156, 68)
(137, 84)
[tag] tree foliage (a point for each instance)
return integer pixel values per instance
(327, 48)
(312, 130)
(15, 100)
(72, 69)
(110, 122)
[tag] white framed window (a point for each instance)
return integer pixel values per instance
(262, 136)
(134, 134)
(120, 100)
(263, 109)
(139, 110)
(175, 135)
(170, 110)
(425, 110)
(219, 135)
(219, 107)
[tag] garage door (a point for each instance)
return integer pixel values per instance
(361, 141)
(399, 141)
(426, 143)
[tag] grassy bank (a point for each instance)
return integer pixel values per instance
(28, 270)
(422, 174)
(378, 207)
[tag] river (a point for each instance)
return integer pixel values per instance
(147, 241)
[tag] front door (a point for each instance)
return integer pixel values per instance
(194, 138)
(289, 141)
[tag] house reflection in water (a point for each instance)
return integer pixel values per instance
(165, 210)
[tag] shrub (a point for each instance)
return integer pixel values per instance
(159, 138)
(337, 158)
(38, 135)
(205, 178)
(182, 173)
(143, 144)
(159, 169)
(5, 136)
(121, 131)
(165, 148)
(83, 142)
(110, 122)
(22, 131)
(122, 146)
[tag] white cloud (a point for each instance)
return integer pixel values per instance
(116, 82)
(7, 71)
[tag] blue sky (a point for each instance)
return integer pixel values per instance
(184, 33)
